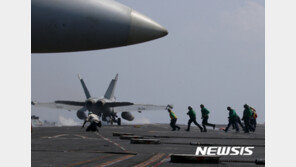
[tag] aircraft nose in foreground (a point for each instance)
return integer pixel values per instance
(81, 25)
(144, 29)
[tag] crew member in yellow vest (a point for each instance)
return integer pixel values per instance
(253, 120)
(173, 120)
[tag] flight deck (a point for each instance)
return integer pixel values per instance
(126, 145)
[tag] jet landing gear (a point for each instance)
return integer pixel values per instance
(119, 121)
(112, 119)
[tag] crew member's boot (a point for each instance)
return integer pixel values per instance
(188, 128)
(204, 128)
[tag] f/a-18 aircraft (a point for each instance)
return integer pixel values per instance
(106, 108)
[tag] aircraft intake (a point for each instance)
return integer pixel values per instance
(127, 116)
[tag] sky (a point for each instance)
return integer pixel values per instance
(214, 55)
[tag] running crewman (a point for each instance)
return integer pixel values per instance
(173, 120)
(205, 116)
(231, 119)
(247, 117)
(253, 120)
(192, 117)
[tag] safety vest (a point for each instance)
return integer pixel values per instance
(204, 112)
(191, 114)
(232, 114)
(172, 115)
(254, 114)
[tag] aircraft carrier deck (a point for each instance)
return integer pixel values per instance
(72, 146)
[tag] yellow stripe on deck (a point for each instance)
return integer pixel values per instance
(150, 160)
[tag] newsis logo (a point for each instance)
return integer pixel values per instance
(223, 150)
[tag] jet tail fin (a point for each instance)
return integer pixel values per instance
(86, 92)
(111, 89)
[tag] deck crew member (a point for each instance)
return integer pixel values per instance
(253, 120)
(94, 121)
(205, 116)
(192, 117)
(173, 120)
(246, 117)
(231, 119)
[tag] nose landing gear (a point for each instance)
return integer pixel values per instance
(119, 121)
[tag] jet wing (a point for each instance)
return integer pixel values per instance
(118, 104)
(66, 105)
(139, 107)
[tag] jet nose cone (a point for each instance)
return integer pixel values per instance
(144, 29)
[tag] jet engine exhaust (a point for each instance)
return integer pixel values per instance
(89, 104)
(100, 103)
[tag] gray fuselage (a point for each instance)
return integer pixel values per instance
(96, 105)
(80, 25)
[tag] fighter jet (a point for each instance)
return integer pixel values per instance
(106, 108)
(81, 25)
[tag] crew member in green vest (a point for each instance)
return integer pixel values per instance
(247, 117)
(173, 120)
(205, 116)
(231, 119)
(192, 117)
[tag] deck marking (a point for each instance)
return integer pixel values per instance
(56, 136)
(115, 161)
(88, 161)
(83, 137)
(110, 141)
(162, 161)
(150, 160)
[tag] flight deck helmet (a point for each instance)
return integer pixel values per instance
(246, 106)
